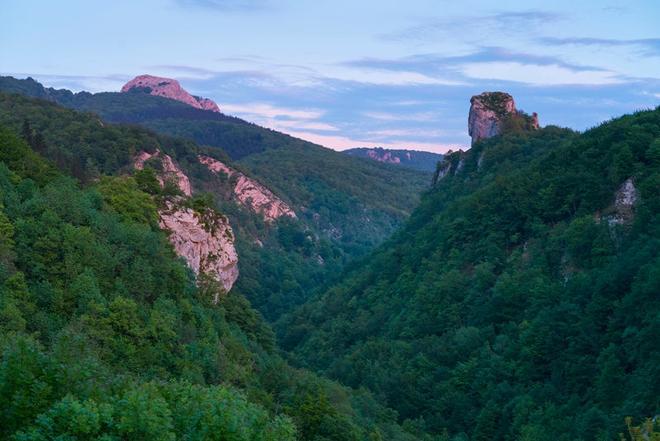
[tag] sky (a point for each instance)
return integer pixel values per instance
(352, 73)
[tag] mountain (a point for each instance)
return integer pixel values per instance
(519, 301)
(168, 88)
(342, 206)
(418, 160)
(104, 332)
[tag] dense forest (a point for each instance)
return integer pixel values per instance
(521, 299)
(104, 333)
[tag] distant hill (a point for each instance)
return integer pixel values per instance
(414, 159)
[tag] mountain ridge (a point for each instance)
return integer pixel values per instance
(415, 159)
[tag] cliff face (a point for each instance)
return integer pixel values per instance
(205, 240)
(170, 171)
(251, 193)
(625, 199)
(490, 110)
(487, 112)
(169, 88)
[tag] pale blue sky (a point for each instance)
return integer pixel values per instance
(352, 73)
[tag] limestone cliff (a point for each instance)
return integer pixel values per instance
(169, 88)
(489, 113)
(204, 239)
(251, 193)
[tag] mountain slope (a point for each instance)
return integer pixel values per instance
(104, 333)
(345, 206)
(417, 160)
(521, 299)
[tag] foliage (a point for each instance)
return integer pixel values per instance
(510, 306)
(104, 333)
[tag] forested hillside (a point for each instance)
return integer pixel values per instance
(104, 333)
(520, 301)
(346, 206)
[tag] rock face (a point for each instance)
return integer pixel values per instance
(251, 193)
(624, 204)
(205, 241)
(170, 171)
(488, 112)
(169, 88)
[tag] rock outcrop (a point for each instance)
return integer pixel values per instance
(170, 170)
(251, 193)
(625, 200)
(169, 88)
(490, 110)
(204, 239)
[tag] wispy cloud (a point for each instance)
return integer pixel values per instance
(648, 46)
(503, 22)
(417, 116)
(539, 75)
(431, 62)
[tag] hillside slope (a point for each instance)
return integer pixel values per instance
(105, 334)
(520, 301)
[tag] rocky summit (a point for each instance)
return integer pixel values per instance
(489, 113)
(169, 88)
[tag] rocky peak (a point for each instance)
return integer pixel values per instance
(169, 88)
(251, 193)
(490, 110)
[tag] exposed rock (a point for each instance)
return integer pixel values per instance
(170, 170)
(488, 112)
(385, 157)
(451, 163)
(251, 193)
(205, 241)
(169, 88)
(624, 204)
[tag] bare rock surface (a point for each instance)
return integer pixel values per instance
(625, 199)
(489, 110)
(169, 88)
(205, 241)
(251, 193)
(170, 170)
